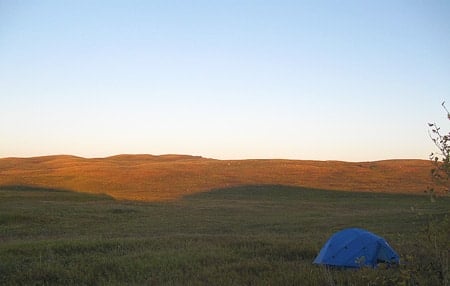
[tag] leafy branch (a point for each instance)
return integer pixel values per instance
(441, 159)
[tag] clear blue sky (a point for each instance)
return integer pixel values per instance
(327, 80)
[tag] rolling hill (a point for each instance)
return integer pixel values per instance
(151, 178)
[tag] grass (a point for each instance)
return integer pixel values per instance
(168, 177)
(252, 235)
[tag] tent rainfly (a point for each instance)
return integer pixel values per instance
(355, 248)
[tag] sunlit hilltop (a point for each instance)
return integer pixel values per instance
(148, 178)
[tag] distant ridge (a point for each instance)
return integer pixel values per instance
(147, 157)
(149, 177)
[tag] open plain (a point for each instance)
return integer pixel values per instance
(182, 220)
(152, 178)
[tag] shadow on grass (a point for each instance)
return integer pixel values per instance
(39, 190)
(30, 188)
(283, 192)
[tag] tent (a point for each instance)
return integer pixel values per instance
(354, 247)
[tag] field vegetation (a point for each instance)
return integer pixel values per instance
(247, 235)
(166, 177)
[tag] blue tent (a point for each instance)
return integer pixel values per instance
(354, 247)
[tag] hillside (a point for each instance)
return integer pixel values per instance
(150, 178)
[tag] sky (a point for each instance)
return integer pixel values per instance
(232, 79)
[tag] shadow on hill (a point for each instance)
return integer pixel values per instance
(285, 192)
(27, 188)
(36, 189)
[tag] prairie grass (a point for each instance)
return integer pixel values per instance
(250, 235)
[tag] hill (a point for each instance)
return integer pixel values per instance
(151, 178)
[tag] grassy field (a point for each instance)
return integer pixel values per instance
(254, 235)
(168, 177)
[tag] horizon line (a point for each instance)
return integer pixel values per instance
(204, 157)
